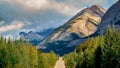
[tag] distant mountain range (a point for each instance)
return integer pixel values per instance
(65, 38)
(36, 37)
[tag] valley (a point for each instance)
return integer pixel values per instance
(89, 39)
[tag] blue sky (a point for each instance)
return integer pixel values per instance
(36, 15)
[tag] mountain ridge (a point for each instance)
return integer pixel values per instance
(75, 30)
(36, 37)
(111, 17)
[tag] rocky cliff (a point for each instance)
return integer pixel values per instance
(72, 33)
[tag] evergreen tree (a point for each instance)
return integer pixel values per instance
(99, 52)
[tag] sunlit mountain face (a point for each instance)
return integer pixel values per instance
(37, 15)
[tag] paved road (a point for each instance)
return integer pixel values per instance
(60, 63)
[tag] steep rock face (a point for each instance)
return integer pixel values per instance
(82, 25)
(111, 17)
(76, 29)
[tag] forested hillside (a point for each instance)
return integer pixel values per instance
(100, 52)
(14, 54)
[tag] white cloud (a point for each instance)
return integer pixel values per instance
(15, 25)
(62, 7)
(44, 5)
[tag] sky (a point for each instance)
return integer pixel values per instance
(37, 15)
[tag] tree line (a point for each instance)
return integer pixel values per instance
(17, 54)
(100, 52)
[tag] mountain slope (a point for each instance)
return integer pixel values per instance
(74, 31)
(111, 17)
(98, 52)
(82, 25)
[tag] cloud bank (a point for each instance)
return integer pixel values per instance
(44, 5)
(66, 7)
(14, 26)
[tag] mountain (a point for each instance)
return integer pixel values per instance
(65, 38)
(36, 37)
(100, 49)
(111, 17)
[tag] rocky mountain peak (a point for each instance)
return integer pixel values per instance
(80, 26)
